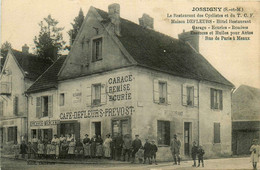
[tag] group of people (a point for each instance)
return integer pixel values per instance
(197, 151)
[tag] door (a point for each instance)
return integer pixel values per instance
(96, 128)
(187, 137)
(121, 126)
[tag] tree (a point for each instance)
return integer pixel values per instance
(6, 45)
(76, 26)
(4, 49)
(50, 40)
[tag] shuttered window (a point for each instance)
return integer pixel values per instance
(189, 95)
(163, 132)
(15, 105)
(161, 92)
(44, 106)
(12, 133)
(1, 108)
(97, 49)
(216, 132)
(216, 99)
(62, 99)
(96, 94)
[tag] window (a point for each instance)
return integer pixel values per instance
(15, 105)
(190, 96)
(1, 108)
(162, 92)
(97, 49)
(12, 133)
(163, 132)
(62, 99)
(216, 132)
(216, 99)
(96, 94)
(44, 106)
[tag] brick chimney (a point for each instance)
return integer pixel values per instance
(25, 49)
(114, 15)
(191, 38)
(146, 21)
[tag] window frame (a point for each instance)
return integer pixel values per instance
(163, 91)
(167, 140)
(62, 99)
(93, 95)
(43, 106)
(189, 96)
(94, 49)
(216, 98)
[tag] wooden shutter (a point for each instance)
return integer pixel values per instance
(15, 106)
(156, 91)
(1, 108)
(103, 94)
(167, 132)
(38, 107)
(216, 132)
(196, 96)
(211, 98)
(220, 100)
(184, 95)
(89, 94)
(168, 88)
(77, 130)
(58, 130)
(50, 106)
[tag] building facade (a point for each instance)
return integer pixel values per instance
(121, 77)
(16, 77)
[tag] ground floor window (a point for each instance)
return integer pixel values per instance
(12, 134)
(121, 126)
(69, 128)
(163, 132)
(216, 132)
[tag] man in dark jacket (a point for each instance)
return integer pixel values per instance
(147, 151)
(136, 145)
(118, 146)
(194, 151)
(154, 149)
(175, 149)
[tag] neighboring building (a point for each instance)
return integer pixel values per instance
(121, 77)
(20, 70)
(245, 118)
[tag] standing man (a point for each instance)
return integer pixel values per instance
(118, 146)
(175, 149)
(136, 145)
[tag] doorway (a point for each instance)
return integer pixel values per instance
(96, 128)
(121, 126)
(187, 138)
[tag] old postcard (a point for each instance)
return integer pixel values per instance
(135, 84)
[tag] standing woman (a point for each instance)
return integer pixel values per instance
(93, 146)
(99, 143)
(35, 146)
(56, 142)
(106, 145)
(86, 145)
(254, 153)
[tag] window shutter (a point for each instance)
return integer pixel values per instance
(184, 95)
(1, 108)
(196, 96)
(15, 106)
(77, 130)
(156, 91)
(89, 94)
(168, 93)
(58, 130)
(103, 94)
(38, 107)
(220, 100)
(50, 104)
(211, 98)
(216, 132)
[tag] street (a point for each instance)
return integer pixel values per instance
(225, 163)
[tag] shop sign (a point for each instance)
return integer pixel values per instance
(8, 123)
(44, 123)
(103, 112)
(179, 113)
(119, 88)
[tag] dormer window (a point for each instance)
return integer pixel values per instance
(97, 49)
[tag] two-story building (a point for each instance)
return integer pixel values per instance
(19, 72)
(121, 77)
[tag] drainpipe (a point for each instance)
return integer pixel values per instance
(27, 117)
(199, 112)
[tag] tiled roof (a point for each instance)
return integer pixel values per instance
(245, 103)
(49, 79)
(158, 51)
(32, 65)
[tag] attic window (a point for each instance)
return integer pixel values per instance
(97, 49)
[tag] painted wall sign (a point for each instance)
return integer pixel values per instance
(76, 97)
(179, 113)
(107, 112)
(119, 88)
(44, 123)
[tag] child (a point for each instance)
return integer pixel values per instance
(140, 154)
(16, 150)
(147, 151)
(71, 150)
(194, 151)
(254, 149)
(40, 149)
(154, 149)
(53, 150)
(200, 156)
(48, 149)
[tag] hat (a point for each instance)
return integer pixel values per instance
(136, 135)
(174, 135)
(86, 134)
(153, 140)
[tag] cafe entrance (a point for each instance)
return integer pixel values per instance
(121, 126)
(69, 127)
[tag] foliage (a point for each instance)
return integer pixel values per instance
(76, 26)
(50, 40)
(5, 46)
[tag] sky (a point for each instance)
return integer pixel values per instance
(238, 61)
